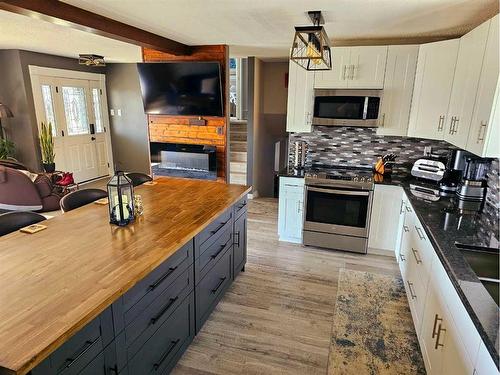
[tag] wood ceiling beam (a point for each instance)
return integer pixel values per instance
(60, 13)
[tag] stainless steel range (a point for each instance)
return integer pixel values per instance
(337, 211)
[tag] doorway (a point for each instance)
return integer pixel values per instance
(75, 104)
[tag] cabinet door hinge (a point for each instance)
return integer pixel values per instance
(100, 90)
(57, 89)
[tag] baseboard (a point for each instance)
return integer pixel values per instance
(384, 252)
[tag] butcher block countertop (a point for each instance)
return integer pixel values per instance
(54, 282)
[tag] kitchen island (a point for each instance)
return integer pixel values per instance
(84, 296)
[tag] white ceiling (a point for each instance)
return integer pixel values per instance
(261, 28)
(21, 32)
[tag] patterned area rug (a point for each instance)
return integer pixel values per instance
(373, 331)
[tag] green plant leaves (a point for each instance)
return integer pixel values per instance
(47, 143)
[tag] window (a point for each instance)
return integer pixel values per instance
(75, 110)
(48, 105)
(96, 101)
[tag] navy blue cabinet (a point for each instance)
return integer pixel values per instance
(148, 328)
(240, 244)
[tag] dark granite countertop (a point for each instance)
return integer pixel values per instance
(445, 224)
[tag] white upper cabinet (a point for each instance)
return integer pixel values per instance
(484, 134)
(337, 77)
(354, 67)
(368, 67)
(431, 93)
(465, 84)
(300, 99)
(394, 112)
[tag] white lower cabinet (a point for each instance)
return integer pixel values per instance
(484, 363)
(290, 209)
(449, 341)
(384, 233)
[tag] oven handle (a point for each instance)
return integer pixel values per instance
(341, 192)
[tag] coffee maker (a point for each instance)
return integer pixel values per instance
(455, 167)
(471, 190)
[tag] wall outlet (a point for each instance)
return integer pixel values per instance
(112, 112)
(220, 130)
(119, 112)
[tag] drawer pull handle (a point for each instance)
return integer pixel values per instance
(401, 210)
(165, 355)
(438, 336)
(419, 232)
(162, 279)
(221, 281)
(402, 257)
(413, 295)
(85, 348)
(213, 256)
(163, 310)
(436, 319)
(408, 209)
(237, 243)
(219, 227)
(415, 253)
(405, 228)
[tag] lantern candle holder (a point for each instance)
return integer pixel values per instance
(121, 199)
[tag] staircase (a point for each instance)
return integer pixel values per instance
(238, 152)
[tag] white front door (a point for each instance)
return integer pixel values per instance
(76, 108)
(80, 149)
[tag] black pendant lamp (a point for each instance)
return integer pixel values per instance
(311, 46)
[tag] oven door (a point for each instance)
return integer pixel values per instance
(337, 211)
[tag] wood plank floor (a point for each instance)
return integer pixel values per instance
(278, 315)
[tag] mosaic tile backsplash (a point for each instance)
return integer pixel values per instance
(361, 146)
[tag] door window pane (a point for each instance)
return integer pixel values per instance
(48, 106)
(75, 109)
(96, 101)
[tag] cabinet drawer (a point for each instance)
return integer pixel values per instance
(96, 367)
(240, 207)
(138, 331)
(421, 247)
(211, 288)
(211, 254)
(162, 349)
(76, 353)
(149, 288)
(214, 228)
(416, 289)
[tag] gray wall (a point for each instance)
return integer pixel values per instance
(18, 129)
(129, 132)
(266, 121)
(16, 92)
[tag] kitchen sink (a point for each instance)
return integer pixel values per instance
(484, 262)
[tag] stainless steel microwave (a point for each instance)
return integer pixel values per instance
(346, 107)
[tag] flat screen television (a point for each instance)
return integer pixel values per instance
(181, 88)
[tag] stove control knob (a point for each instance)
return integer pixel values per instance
(355, 179)
(369, 179)
(362, 179)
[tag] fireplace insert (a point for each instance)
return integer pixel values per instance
(183, 160)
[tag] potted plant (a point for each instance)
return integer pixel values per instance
(6, 149)
(47, 148)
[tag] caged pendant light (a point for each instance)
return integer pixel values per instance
(311, 46)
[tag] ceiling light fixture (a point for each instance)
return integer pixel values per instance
(311, 46)
(91, 60)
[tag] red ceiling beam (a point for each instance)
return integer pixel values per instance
(60, 13)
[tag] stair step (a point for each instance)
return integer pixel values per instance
(238, 127)
(238, 167)
(238, 146)
(238, 136)
(238, 156)
(238, 178)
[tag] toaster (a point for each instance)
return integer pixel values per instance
(428, 169)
